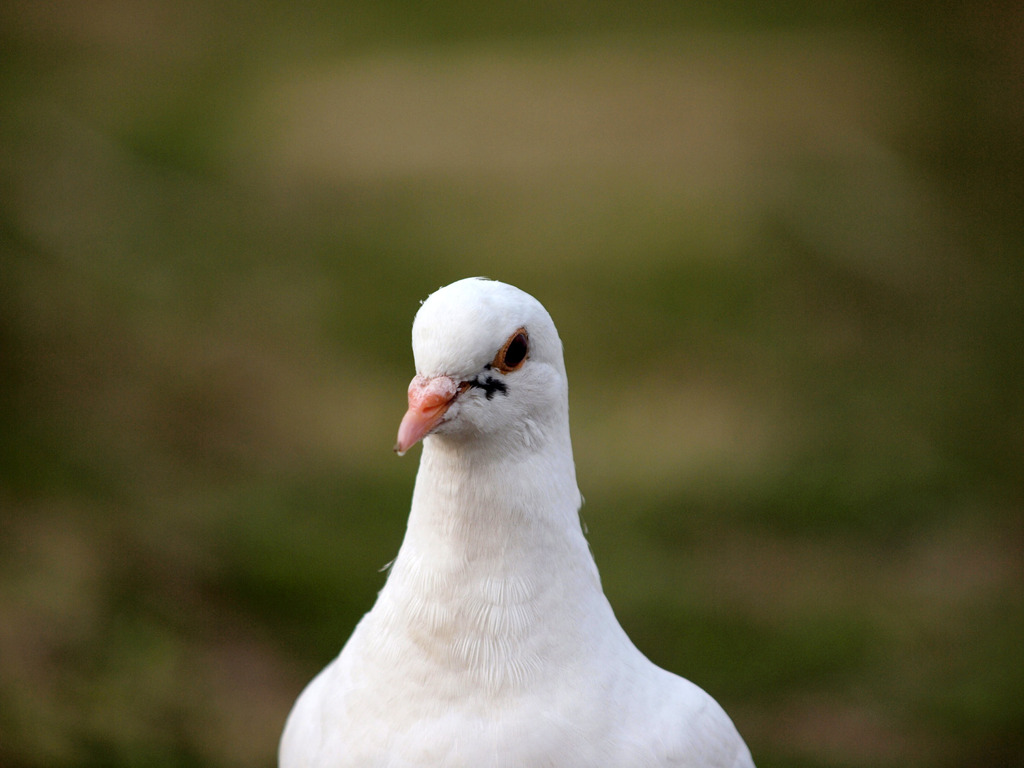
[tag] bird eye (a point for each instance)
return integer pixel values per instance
(512, 355)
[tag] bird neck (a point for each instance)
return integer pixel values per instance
(493, 551)
(493, 508)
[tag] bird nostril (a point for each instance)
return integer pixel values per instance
(431, 393)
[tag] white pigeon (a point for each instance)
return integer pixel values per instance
(492, 643)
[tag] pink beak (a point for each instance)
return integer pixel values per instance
(429, 400)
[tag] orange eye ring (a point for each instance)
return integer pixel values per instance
(513, 352)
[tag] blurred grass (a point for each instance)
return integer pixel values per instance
(783, 247)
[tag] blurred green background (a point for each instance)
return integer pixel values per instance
(784, 246)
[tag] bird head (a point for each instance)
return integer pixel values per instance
(488, 367)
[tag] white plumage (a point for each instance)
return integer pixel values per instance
(492, 643)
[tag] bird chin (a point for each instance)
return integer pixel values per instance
(455, 427)
(448, 425)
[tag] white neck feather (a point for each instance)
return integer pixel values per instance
(491, 507)
(494, 580)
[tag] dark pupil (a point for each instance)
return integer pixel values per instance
(516, 351)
